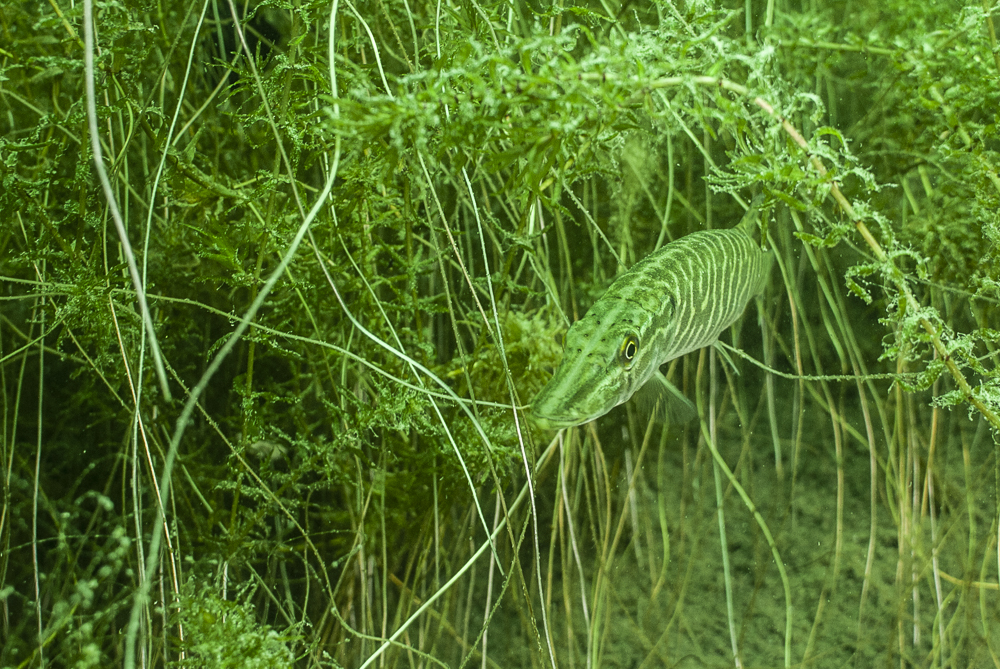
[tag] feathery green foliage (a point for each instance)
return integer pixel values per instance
(495, 166)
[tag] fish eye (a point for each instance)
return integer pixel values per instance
(629, 349)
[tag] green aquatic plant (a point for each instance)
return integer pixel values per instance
(221, 632)
(360, 231)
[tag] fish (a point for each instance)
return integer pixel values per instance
(674, 301)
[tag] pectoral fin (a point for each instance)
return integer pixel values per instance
(661, 399)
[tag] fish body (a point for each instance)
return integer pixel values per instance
(675, 300)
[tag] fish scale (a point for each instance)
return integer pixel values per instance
(675, 300)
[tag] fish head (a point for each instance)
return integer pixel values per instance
(609, 354)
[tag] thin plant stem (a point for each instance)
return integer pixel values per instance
(720, 510)
(95, 147)
(36, 568)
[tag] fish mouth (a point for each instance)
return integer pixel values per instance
(551, 415)
(555, 408)
(558, 422)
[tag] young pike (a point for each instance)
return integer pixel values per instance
(675, 300)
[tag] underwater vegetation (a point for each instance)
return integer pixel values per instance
(281, 279)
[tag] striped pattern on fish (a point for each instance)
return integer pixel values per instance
(675, 300)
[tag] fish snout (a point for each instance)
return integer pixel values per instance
(566, 399)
